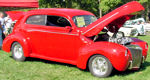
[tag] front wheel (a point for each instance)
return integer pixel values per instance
(100, 66)
(17, 52)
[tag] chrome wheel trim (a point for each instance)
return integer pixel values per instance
(99, 66)
(18, 51)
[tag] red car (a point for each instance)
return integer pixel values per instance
(72, 36)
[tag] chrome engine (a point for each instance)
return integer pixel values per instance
(122, 40)
(118, 38)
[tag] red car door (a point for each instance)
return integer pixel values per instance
(50, 39)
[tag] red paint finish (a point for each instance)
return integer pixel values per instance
(13, 14)
(110, 50)
(72, 45)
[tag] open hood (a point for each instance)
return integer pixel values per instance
(113, 20)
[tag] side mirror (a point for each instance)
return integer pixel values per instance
(69, 27)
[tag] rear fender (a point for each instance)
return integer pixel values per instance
(9, 40)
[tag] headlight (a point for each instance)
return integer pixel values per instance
(146, 46)
(126, 52)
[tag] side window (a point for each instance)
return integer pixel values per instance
(37, 20)
(57, 21)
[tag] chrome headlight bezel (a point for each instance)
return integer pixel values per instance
(126, 52)
(146, 46)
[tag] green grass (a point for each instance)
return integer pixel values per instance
(36, 69)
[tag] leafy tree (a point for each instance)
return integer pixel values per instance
(107, 5)
(98, 7)
(146, 4)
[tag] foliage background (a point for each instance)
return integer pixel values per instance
(98, 7)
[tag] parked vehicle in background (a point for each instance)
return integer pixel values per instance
(72, 36)
(147, 26)
(144, 23)
(129, 31)
(139, 24)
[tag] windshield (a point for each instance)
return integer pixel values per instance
(84, 20)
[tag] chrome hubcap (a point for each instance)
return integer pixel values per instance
(18, 52)
(99, 66)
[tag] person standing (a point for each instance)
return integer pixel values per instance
(1, 28)
(143, 28)
(7, 25)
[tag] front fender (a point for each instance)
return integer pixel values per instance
(9, 40)
(115, 53)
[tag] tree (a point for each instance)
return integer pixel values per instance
(108, 5)
(98, 7)
(146, 4)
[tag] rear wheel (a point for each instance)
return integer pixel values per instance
(100, 66)
(17, 52)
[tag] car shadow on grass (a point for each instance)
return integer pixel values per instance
(29, 59)
(127, 72)
(48, 62)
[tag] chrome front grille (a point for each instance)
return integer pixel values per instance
(136, 52)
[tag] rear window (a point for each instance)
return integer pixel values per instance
(37, 20)
(48, 20)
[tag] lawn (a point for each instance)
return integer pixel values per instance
(36, 69)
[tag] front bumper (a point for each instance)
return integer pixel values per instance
(136, 53)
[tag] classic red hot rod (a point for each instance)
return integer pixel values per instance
(72, 36)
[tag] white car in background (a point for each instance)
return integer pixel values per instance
(147, 27)
(129, 31)
(134, 27)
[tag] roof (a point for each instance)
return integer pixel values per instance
(58, 11)
(19, 3)
(64, 11)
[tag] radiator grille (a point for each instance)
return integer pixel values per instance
(136, 52)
